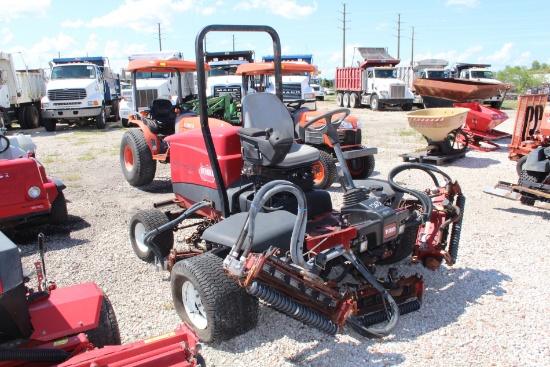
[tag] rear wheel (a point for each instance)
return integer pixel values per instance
(146, 221)
(106, 332)
(114, 112)
(49, 124)
(497, 105)
(101, 119)
(340, 100)
(32, 118)
(362, 167)
(58, 212)
(374, 103)
(137, 162)
(211, 302)
(407, 107)
(345, 100)
(354, 100)
(324, 171)
(21, 117)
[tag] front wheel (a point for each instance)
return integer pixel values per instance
(58, 212)
(107, 331)
(324, 171)
(211, 302)
(125, 122)
(407, 107)
(136, 160)
(146, 221)
(49, 124)
(101, 119)
(362, 167)
(374, 103)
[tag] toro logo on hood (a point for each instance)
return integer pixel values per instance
(206, 173)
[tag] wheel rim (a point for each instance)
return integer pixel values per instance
(128, 158)
(318, 172)
(356, 166)
(193, 305)
(139, 234)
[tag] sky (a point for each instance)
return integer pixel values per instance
(500, 33)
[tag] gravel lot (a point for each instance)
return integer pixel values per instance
(490, 309)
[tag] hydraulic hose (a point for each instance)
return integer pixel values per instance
(33, 354)
(7, 144)
(149, 236)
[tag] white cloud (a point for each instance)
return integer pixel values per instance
(469, 3)
(5, 36)
(501, 56)
(72, 23)
(23, 8)
(381, 26)
(286, 8)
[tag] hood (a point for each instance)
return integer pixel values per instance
(224, 80)
(151, 83)
(72, 84)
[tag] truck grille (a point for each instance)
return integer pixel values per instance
(397, 91)
(349, 136)
(235, 91)
(145, 97)
(66, 94)
(292, 92)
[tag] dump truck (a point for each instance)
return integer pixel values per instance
(373, 83)
(480, 72)
(81, 89)
(20, 94)
(425, 69)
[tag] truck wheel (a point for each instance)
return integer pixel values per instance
(137, 162)
(21, 117)
(101, 119)
(345, 100)
(497, 105)
(49, 124)
(58, 212)
(107, 331)
(146, 221)
(125, 122)
(32, 119)
(115, 109)
(374, 103)
(210, 301)
(407, 107)
(354, 100)
(324, 171)
(340, 100)
(362, 167)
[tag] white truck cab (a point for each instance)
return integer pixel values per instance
(482, 73)
(221, 76)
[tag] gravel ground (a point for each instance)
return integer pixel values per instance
(490, 309)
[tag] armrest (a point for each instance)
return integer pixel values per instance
(251, 132)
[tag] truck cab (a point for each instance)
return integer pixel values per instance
(381, 83)
(482, 73)
(221, 78)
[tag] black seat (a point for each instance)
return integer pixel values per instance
(161, 110)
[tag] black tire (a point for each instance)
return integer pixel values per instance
(114, 111)
(404, 247)
(58, 211)
(457, 229)
(136, 160)
(21, 117)
(226, 310)
(529, 176)
(374, 103)
(407, 107)
(49, 124)
(32, 117)
(520, 163)
(345, 100)
(362, 167)
(101, 119)
(107, 331)
(200, 360)
(354, 100)
(125, 122)
(497, 105)
(324, 173)
(146, 221)
(340, 100)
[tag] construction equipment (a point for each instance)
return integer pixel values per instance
(267, 234)
(442, 128)
(51, 326)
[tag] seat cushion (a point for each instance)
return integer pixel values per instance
(266, 234)
(299, 154)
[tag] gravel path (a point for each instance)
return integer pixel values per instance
(490, 309)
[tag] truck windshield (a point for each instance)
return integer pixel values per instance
(482, 74)
(222, 70)
(73, 72)
(437, 74)
(385, 73)
(147, 75)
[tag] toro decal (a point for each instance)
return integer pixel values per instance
(206, 173)
(390, 230)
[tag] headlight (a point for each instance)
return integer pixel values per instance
(309, 95)
(384, 92)
(359, 124)
(93, 103)
(45, 104)
(128, 99)
(34, 192)
(346, 125)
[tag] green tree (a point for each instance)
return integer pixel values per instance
(520, 77)
(535, 65)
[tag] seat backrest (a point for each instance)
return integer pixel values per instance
(160, 109)
(265, 110)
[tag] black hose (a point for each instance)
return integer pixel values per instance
(7, 144)
(457, 228)
(422, 197)
(33, 354)
(292, 308)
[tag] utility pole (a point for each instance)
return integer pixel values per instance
(343, 36)
(160, 42)
(412, 46)
(398, 33)
(233, 42)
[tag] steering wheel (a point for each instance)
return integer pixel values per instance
(2, 150)
(330, 127)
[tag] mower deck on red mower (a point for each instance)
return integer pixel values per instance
(267, 234)
(48, 325)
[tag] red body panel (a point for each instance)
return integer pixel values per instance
(16, 177)
(348, 79)
(481, 118)
(67, 311)
(189, 160)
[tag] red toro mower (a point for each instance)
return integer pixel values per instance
(27, 194)
(267, 234)
(360, 160)
(50, 326)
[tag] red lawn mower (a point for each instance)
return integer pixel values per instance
(27, 195)
(51, 326)
(267, 234)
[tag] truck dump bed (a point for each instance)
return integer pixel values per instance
(348, 79)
